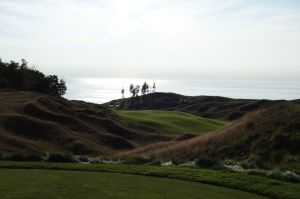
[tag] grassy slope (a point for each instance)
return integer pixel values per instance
(168, 122)
(241, 181)
(270, 137)
(80, 184)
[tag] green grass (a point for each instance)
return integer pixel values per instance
(168, 122)
(240, 181)
(45, 184)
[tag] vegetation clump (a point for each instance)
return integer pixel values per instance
(204, 162)
(137, 160)
(83, 159)
(61, 157)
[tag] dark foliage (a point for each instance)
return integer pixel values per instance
(19, 76)
(61, 157)
(207, 163)
(83, 159)
(137, 160)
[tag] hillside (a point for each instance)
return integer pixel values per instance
(205, 106)
(36, 122)
(266, 137)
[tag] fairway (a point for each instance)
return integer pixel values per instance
(168, 122)
(20, 183)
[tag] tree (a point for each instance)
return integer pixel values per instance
(53, 86)
(145, 88)
(132, 90)
(153, 87)
(62, 88)
(22, 72)
(122, 91)
(19, 76)
(24, 63)
(137, 90)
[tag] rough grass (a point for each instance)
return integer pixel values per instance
(241, 181)
(168, 122)
(80, 184)
(267, 138)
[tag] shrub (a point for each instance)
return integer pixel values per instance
(176, 162)
(285, 176)
(155, 163)
(137, 160)
(83, 159)
(61, 157)
(207, 163)
(248, 164)
(80, 148)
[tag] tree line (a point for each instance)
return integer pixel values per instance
(21, 77)
(136, 90)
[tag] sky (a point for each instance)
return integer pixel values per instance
(167, 39)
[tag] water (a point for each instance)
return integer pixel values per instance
(104, 90)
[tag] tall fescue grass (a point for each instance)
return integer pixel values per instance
(268, 138)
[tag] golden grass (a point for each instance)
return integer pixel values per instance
(263, 123)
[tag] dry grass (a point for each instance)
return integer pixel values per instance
(255, 134)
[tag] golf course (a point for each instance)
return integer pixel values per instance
(151, 146)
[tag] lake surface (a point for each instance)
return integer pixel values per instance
(104, 90)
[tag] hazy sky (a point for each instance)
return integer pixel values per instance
(216, 39)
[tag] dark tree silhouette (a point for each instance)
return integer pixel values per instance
(132, 90)
(145, 88)
(137, 90)
(153, 87)
(122, 91)
(21, 77)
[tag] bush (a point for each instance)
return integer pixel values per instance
(80, 148)
(61, 157)
(207, 163)
(25, 157)
(285, 176)
(155, 163)
(137, 160)
(83, 159)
